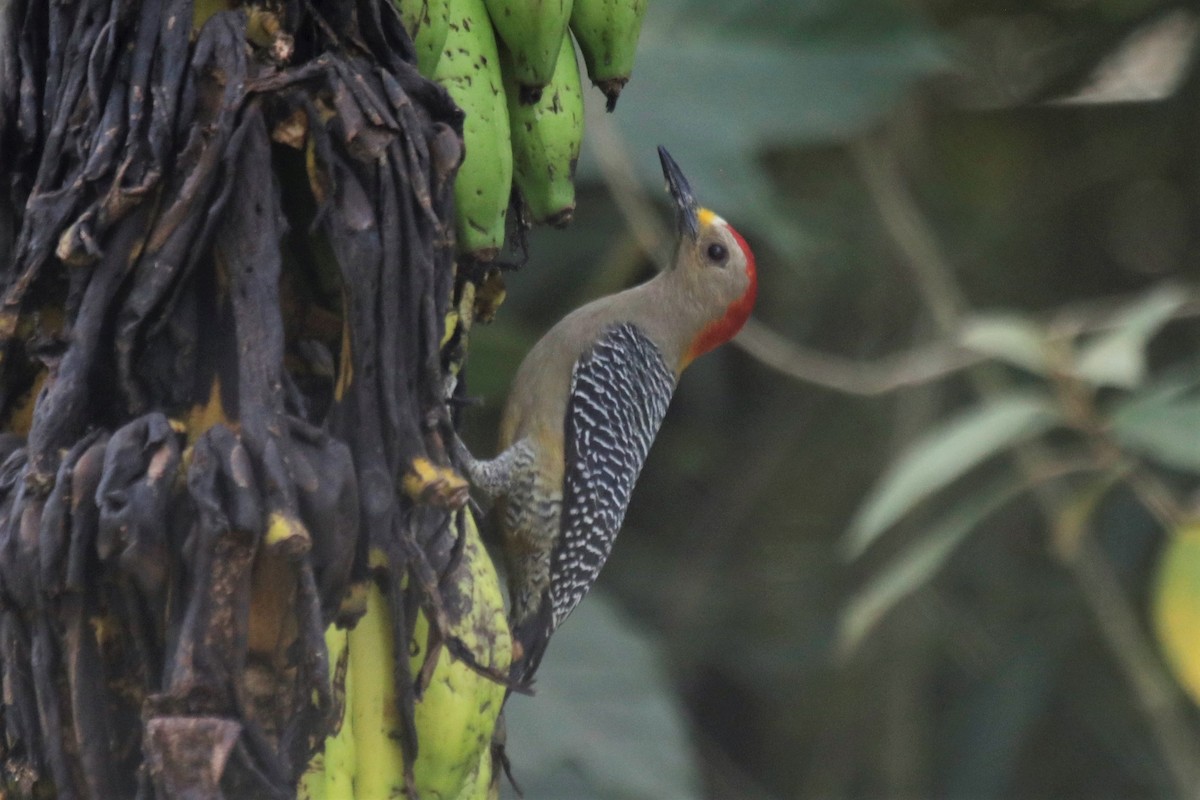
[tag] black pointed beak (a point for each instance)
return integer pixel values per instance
(681, 190)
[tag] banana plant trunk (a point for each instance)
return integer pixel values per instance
(233, 561)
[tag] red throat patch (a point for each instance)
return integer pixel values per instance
(722, 330)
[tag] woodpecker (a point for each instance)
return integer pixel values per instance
(585, 406)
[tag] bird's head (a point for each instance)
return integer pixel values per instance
(714, 264)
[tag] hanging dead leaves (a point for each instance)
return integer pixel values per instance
(224, 263)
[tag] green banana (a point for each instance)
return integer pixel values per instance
(469, 69)
(533, 31)
(427, 22)
(607, 32)
(546, 138)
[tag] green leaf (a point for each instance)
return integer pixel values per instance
(944, 454)
(914, 567)
(1007, 337)
(1162, 424)
(1118, 358)
(605, 722)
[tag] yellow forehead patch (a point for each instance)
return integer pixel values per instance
(707, 217)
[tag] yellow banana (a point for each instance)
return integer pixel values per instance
(469, 68)
(341, 751)
(546, 138)
(455, 717)
(457, 714)
(607, 32)
(371, 707)
(480, 783)
(427, 22)
(533, 31)
(330, 774)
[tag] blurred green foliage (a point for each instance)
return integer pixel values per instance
(991, 639)
(602, 700)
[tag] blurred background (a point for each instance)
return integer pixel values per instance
(924, 529)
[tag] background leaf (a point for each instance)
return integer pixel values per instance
(1163, 424)
(1118, 358)
(918, 563)
(1007, 337)
(604, 723)
(945, 454)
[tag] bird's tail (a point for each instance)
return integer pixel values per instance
(532, 634)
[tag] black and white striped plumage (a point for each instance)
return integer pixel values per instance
(619, 395)
(620, 390)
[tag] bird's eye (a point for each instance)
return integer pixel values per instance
(717, 253)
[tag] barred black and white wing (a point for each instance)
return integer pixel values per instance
(620, 390)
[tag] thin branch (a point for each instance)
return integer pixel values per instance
(870, 378)
(922, 363)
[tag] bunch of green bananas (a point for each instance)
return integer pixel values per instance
(510, 66)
